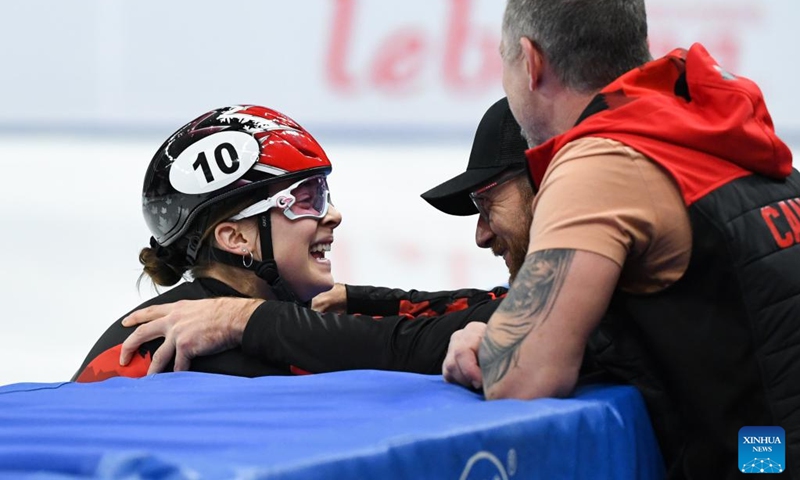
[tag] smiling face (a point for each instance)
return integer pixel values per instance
(300, 246)
(505, 228)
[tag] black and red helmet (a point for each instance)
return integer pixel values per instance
(223, 154)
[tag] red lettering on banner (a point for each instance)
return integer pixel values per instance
(339, 44)
(466, 56)
(401, 58)
(769, 214)
(457, 48)
(399, 61)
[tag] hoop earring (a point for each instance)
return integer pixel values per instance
(245, 262)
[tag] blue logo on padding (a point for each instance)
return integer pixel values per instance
(762, 450)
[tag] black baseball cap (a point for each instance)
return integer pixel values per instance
(497, 148)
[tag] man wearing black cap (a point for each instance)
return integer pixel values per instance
(494, 185)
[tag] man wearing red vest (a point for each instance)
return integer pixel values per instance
(665, 199)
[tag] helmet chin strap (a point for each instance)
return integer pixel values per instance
(267, 268)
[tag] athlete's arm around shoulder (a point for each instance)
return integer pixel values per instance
(534, 343)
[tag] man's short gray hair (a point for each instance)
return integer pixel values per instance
(588, 43)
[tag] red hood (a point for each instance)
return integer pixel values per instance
(689, 115)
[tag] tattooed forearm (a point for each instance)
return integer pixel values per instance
(527, 305)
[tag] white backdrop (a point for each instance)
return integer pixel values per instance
(393, 90)
(360, 67)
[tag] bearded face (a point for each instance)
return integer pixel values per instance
(510, 223)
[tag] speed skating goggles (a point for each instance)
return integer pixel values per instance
(307, 198)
